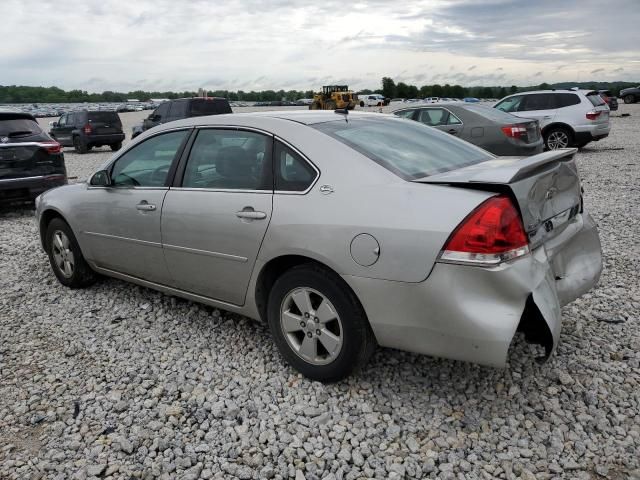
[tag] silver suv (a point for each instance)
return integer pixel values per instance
(567, 117)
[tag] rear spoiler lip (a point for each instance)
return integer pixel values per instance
(500, 170)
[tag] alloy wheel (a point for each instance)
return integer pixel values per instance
(62, 254)
(311, 326)
(557, 139)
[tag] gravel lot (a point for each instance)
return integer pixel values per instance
(118, 381)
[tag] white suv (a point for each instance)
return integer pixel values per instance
(567, 117)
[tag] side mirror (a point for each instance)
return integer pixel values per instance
(53, 124)
(101, 179)
(154, 118)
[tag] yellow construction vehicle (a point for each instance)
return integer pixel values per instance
(333, 97)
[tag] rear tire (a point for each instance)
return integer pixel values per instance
(79, 146)
(330, 105)
(361, 104)
(557, 137)
(116, 146)
(629, 99)
(325, 319)
(65, 256)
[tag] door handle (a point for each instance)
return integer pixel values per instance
(145, 207)
(250, 214)
(453, 131)
(547, 117)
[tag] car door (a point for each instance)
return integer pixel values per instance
(539, 106)
(62, 131)
(121, 222)
(214, 219)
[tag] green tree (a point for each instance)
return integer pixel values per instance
(388, 87)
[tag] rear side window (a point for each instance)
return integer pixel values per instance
(20, 127)
(209, 107)
(566, 99)
(433, 116)
(111, 118)
(293, 173)
(229, 160)
(538, 101)
(409, 149)
(595, 99)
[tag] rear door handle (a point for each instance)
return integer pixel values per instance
(250, 214)
(145, 207)
(547, 117)
(453, 131)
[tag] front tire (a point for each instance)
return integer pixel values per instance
(318, 324)
(65, 256)
(629, 99)
(557, 137)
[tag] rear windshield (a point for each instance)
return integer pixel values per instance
(492, 114)
(18, 128)
(409, 149)
(209, 107)
(596, 99)
(104, 117)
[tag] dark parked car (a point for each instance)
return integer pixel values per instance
(610, 99)
(630, 95)
(498, 132)
(84, 130)
(182, 108)
(30, 161)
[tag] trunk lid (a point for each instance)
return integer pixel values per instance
(104, 123)
(546, 188)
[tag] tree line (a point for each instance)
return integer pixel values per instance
(389, 88)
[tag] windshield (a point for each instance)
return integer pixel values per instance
(409, 149)
(21, 127)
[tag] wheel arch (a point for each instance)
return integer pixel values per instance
(45, 219)
(277, 266)
(559, 125)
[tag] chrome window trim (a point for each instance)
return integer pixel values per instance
(219, 190)
(37, 177)
(95, 187)
(29, 144)
(304, 158)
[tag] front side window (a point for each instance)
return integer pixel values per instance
(409, 149)
(405, 113)
(148, 163)
(162, 110)
(433, 116)
(63, 121)
(225, 159)
(510, 104)
(293, 173)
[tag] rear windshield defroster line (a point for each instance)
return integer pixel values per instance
(409, 149)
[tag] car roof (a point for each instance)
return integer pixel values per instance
(9, 115)
(310, 117)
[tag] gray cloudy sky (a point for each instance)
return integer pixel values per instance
(254, 45)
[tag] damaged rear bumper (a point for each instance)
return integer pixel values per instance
(472, 313)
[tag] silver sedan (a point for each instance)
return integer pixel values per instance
(342, 230)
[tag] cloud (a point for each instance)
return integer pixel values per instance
(252, 44)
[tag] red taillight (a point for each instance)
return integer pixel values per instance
(87, 129)
(491, 234)
(52, 147)
(514, 131)
(593, 114)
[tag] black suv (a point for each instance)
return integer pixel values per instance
(183, 108)
(31, 162)
(84, 130)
